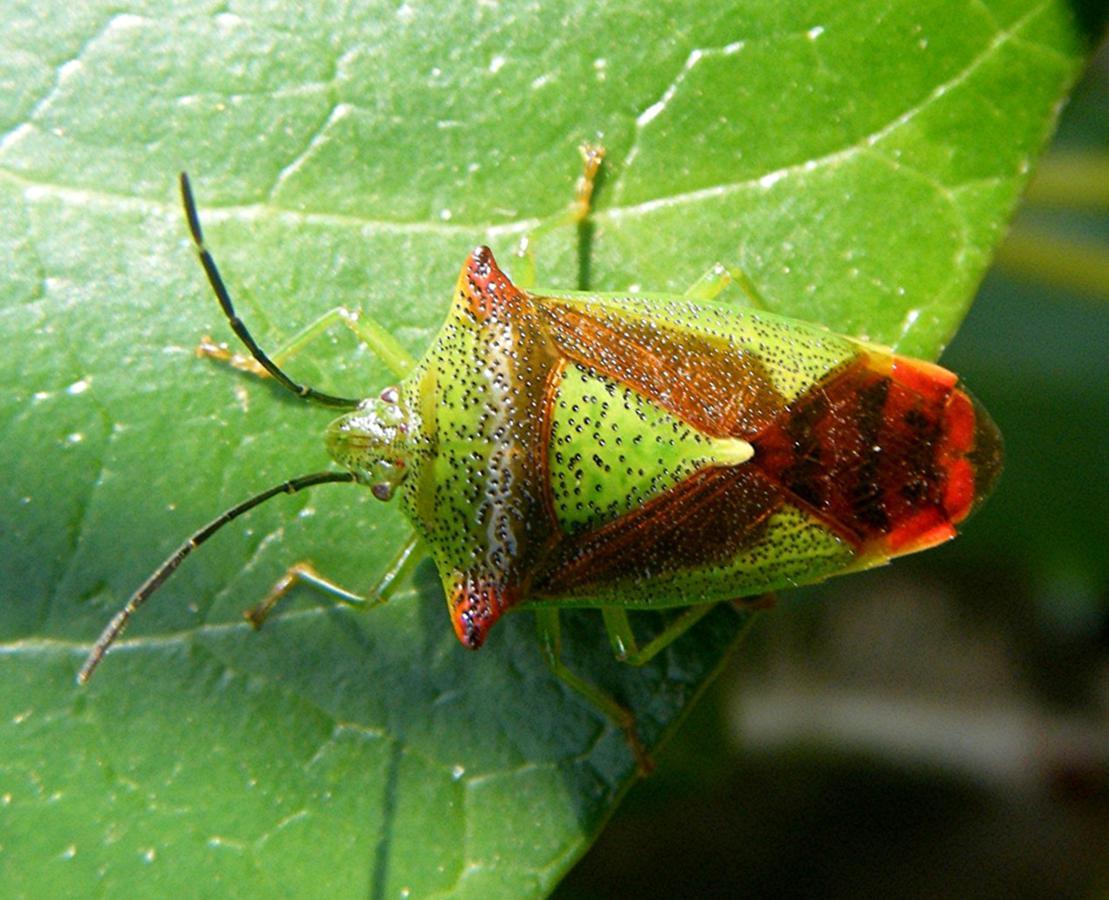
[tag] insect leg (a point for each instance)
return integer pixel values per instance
(368, 331)
(306, 573)
(551, 643)
(710, 285)
(623, 639)
(745, 284)
(576, 212)
(620, 633)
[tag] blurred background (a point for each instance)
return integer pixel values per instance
(939, 727)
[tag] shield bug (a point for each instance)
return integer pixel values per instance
(631, 452)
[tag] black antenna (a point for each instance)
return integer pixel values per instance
(236, 323)
(167, 568)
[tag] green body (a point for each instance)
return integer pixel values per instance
(599, 450)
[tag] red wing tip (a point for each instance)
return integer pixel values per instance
(973, 452)
(959, 491)
(927, 379)
(923, 531)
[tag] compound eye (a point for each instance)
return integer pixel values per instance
(383, 490)
(390, 395)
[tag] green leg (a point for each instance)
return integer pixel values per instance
(305, 573)
(709, 285)
(576, 212)
(715, 280)
(373, 335)
(623, 641)
(619, 631)
(550, 640)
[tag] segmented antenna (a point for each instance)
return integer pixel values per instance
(236, 323)
(167, 568)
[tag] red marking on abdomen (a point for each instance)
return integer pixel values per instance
(881, 452)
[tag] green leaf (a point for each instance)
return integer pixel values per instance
(859, 161)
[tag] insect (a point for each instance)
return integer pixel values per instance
(631, 452)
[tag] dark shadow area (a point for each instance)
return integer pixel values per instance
(813, 824)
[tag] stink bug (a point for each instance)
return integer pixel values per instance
(631, 451)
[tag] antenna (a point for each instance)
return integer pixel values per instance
(167, 568)
(236, 323)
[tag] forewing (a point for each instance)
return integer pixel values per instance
(705, 520)
(708, 380)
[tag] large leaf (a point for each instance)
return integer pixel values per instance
(858, 160)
